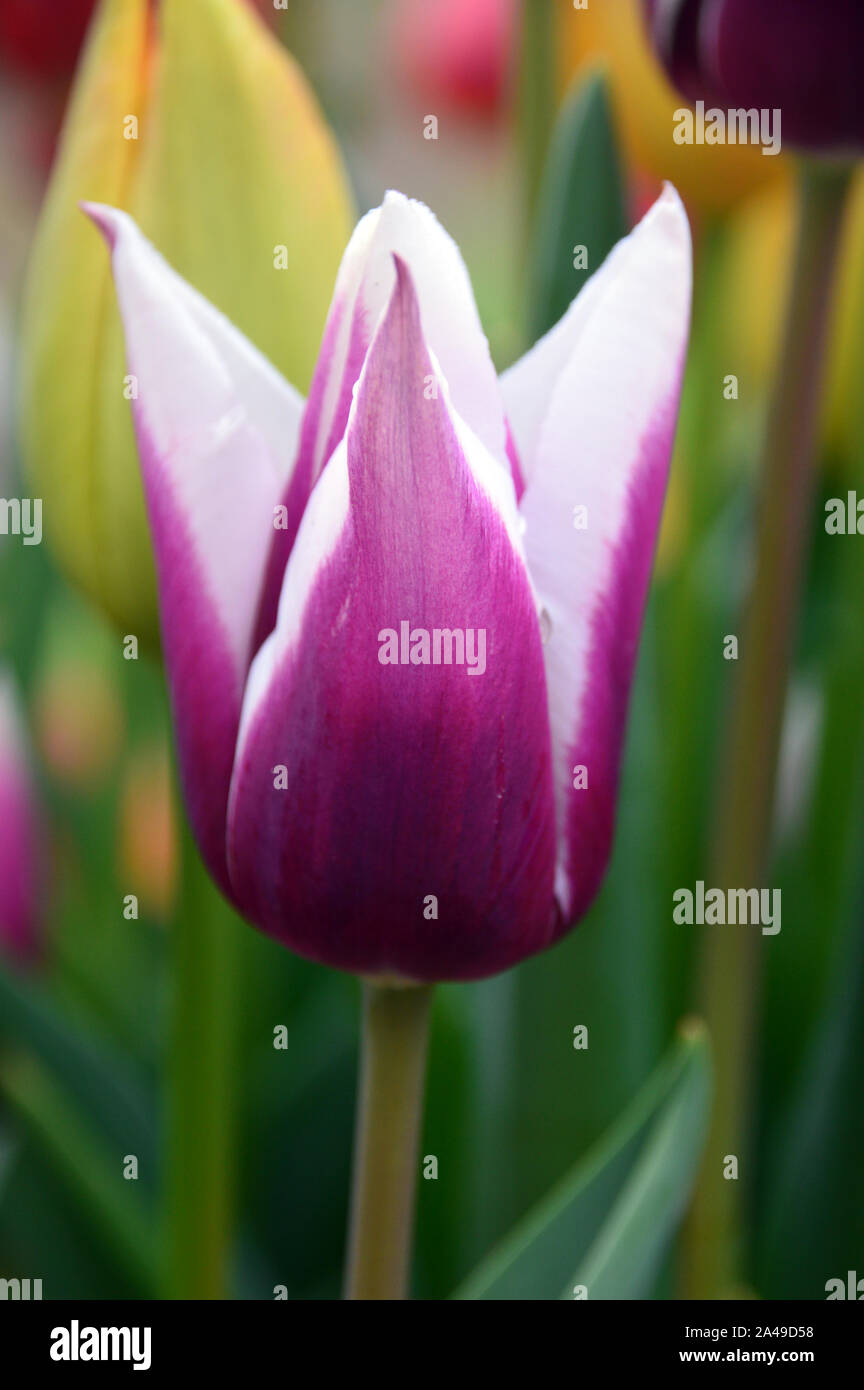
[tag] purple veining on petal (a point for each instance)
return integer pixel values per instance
(404, 781)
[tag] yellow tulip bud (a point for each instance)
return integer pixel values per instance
(189, 115)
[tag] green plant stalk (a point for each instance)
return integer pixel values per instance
(202, 1062)
(92, 1175)
(389, 1118)
(536, 101)
(731, 956)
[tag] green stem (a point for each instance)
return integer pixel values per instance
(731, 956)
(200, 1141)
(389, 1115)
(536, 100)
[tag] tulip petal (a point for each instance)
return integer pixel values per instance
(217, 428)
(801, 59)
(19, 839)
(599, 437)
(528, 385)
(242, 183)
(452, 329)
(362, 790)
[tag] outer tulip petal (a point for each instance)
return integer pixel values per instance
(604, 444)
(674, 26)
(452, 328)
(216, 427)
(399, 784)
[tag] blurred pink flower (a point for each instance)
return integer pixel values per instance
(20, 858)
(455, 52)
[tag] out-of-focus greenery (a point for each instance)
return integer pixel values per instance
(513, 1108)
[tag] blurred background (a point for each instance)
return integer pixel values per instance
(512, 1106)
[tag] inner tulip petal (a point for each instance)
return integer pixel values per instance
(451, 324)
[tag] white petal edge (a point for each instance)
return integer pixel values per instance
(619, 354)
(223, 422)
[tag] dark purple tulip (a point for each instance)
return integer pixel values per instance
(798, 56)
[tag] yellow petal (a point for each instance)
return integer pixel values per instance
(238, 164)
(229, 162)
(75, 428)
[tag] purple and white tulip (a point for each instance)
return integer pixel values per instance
(20, 937)
(389, 648)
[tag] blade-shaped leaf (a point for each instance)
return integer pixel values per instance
(92, 1173)
(581, 204)
(625, 1257)
(113, 1096)
(608, 1223)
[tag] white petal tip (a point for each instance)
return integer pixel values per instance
(670, 206)
(107, 219)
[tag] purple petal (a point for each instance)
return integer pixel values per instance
(363, 289)
(600, 437)
(19, 840)
(403, 782)
(799, 57)
(675, 27)
(216, 427)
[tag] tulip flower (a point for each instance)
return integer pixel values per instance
(400, 621)
(710, 179)
(791, 55)
(19, 840)
(190, 115)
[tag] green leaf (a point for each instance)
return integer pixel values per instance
(812, 1190)
(92, 1174)
(607, 975)
(115, 1097)
(608, 1223)
(581, 203)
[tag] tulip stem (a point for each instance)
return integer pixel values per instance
(200, 1151)
(536, 104)
(389, 1116)
(731, 959)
